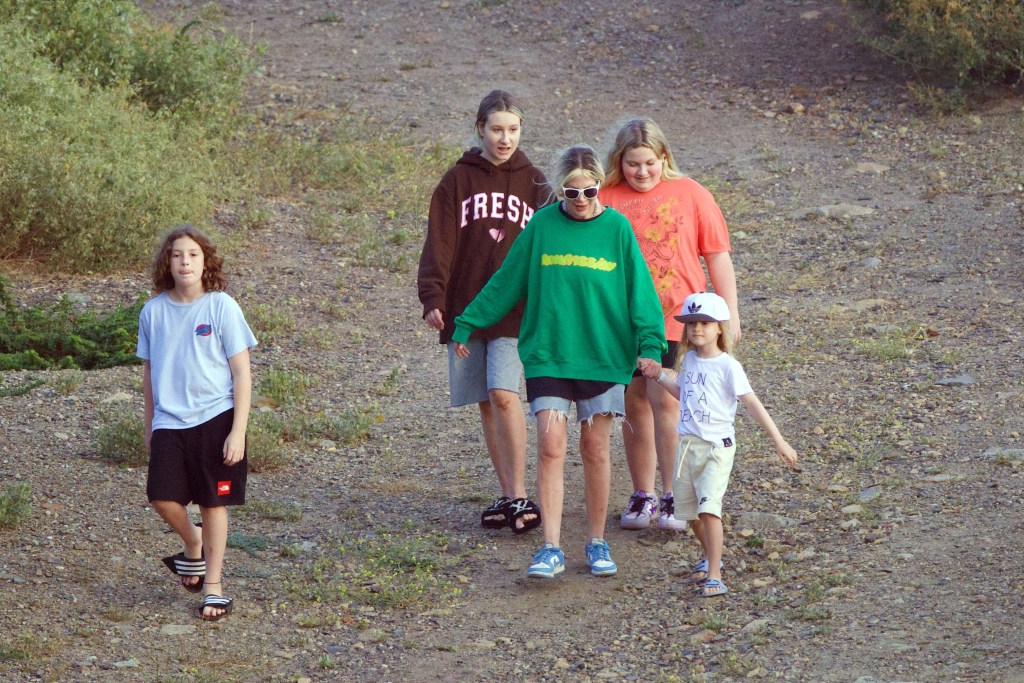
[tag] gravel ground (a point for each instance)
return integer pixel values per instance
(872, 244)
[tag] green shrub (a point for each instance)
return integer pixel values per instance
(108, 42)
(264, 444)
(88, 180)
(121, 437)
(15, 505)
(56, 335)
(961, 45)
(284, 386)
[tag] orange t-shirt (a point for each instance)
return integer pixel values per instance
(676, 224)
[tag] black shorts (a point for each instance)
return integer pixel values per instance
(668, 359)
(187, 465)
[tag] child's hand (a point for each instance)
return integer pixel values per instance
(234, 448)
(786, 453)
(649, 367)
(461, 350)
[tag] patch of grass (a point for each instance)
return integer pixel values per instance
(891, 345)
(270, 324)
(25, 646)
(121, 437)
(279, 512)
(349, 428)
(755, 541)
(392, 570)
(67, 382)
(247, 542)
(15, 504)
(20, 389)
(809, 613)
(715, 622)
(265, 445)
(284, 386)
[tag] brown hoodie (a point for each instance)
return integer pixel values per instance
(477, 211)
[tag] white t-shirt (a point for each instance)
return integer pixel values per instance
(708, 389)
(188, 347)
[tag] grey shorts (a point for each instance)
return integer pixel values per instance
(611, 402)
(702, 477)
(492, 364)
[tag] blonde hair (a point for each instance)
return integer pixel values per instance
(640, 132)
(724, 342)
(576, 161)
(495, 101)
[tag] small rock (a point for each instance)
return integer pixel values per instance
(851, 509)
(131, 663)
(119, 397)
(702, 636)
(869, 494)
(869, 167)
(843, 210)
(870, 262)
(373, 635)
(177, 629)
(755, 626)
(958, 381)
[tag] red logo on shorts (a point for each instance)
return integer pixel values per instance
(223, 488)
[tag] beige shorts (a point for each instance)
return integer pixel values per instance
(702, 476)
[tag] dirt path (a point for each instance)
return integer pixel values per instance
(857, 335)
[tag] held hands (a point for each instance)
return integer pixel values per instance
(435, 319)
(649, 367)
(461, 350)
(234, 448)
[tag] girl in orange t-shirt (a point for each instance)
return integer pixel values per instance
(677, 223)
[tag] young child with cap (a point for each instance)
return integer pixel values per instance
(708, 381)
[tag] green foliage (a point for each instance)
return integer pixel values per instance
(284, 386)
(21, 389)
(397, 570)
(105, 43)
(264, 444)
(56, 335)
(88, 180)
(15, 505)
(961, 45)
(121, 437)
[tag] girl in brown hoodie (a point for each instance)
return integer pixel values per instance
(477, 210)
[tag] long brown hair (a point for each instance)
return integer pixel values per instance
(214, 279)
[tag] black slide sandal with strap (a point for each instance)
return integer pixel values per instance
(519, 508)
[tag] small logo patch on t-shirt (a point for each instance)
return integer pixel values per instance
(727, 442)
(204, 330)
(223, 488)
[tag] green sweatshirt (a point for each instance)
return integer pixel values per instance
(591, 307)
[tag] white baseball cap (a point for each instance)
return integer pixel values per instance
(704, 306)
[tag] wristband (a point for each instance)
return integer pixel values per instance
(663, 376)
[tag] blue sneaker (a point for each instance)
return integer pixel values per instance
(548, 562)
(599, 557)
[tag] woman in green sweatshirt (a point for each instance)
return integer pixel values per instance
(590, 311)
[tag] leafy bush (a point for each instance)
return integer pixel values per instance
(121, 438)
(15, 505)
(963, 45)
(87, 179)
(56, 335)
(108, 42)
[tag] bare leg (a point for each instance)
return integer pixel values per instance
(552, 441)
(665, 410)
(177, 517)
(638, 436)
(597, 471)
(215, 541)
(509, 429)
(712, 540)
